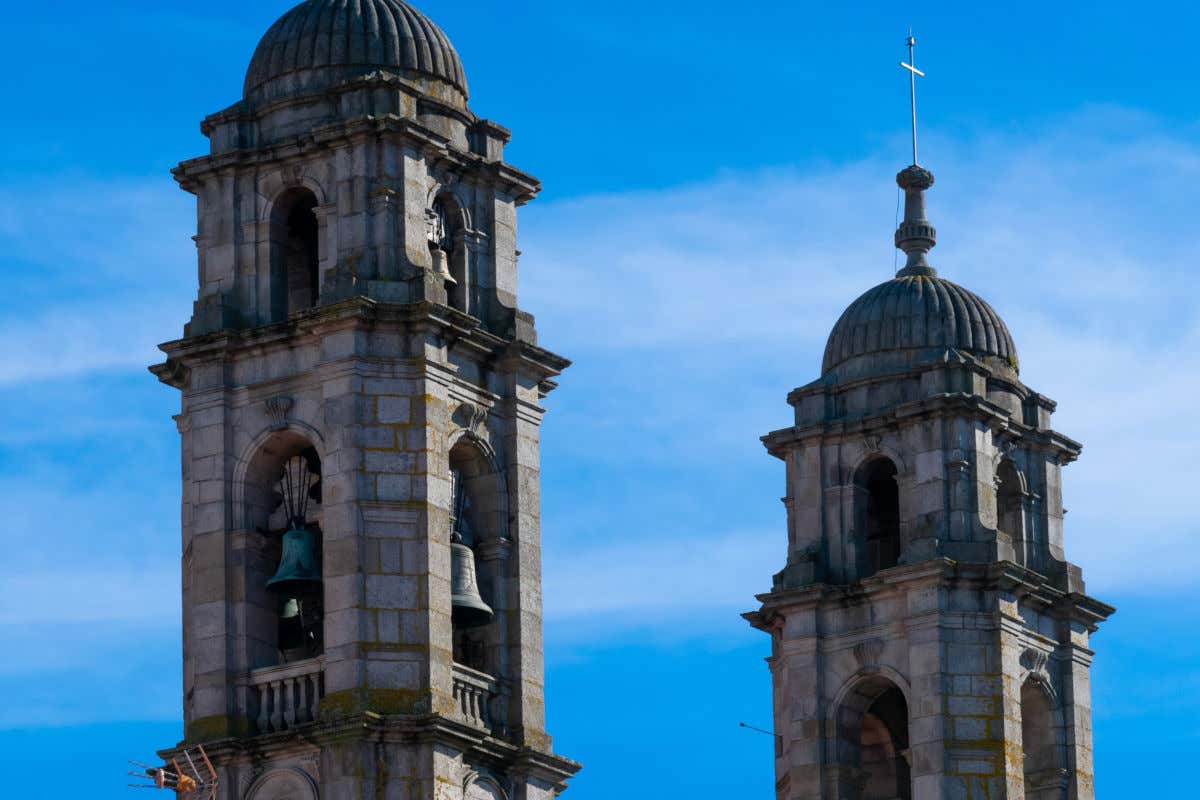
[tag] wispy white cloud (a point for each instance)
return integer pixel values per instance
(80, 338)
(694, 310)
(660, 577)
(97, 273)
(148, 595)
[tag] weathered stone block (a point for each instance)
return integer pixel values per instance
(391, 592)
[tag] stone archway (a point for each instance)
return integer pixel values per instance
(873, 741)
(283, 784)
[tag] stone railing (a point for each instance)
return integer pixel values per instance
(286, 696)
(473, 694)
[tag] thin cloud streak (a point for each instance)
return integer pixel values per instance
(662, 575)
(726, 290)
(693, 299)
(92, 286)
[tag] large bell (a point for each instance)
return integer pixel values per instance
(298, 568)
(467, 609)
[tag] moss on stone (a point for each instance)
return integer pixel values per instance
(218, 726)
(379, 701)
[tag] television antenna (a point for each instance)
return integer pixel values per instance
(188, 783)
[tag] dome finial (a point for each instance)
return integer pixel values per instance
(915, 236)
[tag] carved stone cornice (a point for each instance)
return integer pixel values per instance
(370, 726)
(1048, 442)
(519, 185)
(457, 328)
(171, 372)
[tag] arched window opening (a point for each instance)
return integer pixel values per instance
(295, 254)
(283, 574)
(878, 516)
(873, 743)
(884, 747)
(1045, 778)
(474, 592)
(1010, 519)
(449, 251)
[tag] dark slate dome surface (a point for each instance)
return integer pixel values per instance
(917, 312)
(321, 42)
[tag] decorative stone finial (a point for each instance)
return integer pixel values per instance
(915, 236)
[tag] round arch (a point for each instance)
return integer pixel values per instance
(877, 493)
(871, 737)
(451, 221)
(477, 786)
(252, 455)
(1043, 739)
(275, 184)
(485, 480)
(291, 783)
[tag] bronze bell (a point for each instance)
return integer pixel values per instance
(298, 567)
(467, 609)
(441, 265)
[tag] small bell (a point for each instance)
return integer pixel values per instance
(298, 568)
(467, 609)
(441, 265)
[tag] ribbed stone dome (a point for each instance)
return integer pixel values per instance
(322, 42)
(918, 312)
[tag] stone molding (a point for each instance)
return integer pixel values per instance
(491, 788)
(289, 783)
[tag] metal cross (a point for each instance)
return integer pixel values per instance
(913, 72)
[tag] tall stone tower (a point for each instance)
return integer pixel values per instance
(929, 637)
(360, 414)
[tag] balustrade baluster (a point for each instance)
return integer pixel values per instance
(289, 702)
(264, 708)
(276, 711)
(287, 697)
(302, 714)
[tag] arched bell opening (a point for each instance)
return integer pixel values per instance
(873, 743)
(477, 563)
(1010, 517)
(282, 562)
(295, 253)
(1044, 744)
(447, 246)
(877, 516)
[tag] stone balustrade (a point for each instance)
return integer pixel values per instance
(474, 692)
(286, 696)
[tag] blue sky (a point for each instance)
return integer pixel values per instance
(718, 188)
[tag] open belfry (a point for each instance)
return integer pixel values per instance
(360, 419)
(929, 639)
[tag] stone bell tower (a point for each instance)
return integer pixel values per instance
(929, 637)
(360, 414)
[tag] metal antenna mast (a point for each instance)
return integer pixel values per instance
(913, 72)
